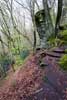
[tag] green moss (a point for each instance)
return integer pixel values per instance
(54, 41)
(24, 54)
(63, 62)
(58, 41)
(65, 50)
(64, 35)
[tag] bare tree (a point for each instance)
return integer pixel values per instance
(59, 13)
(48, 19)
(31, 9)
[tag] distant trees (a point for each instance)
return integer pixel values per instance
(31, 9)
(9, 24)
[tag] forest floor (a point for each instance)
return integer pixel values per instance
(32, 82)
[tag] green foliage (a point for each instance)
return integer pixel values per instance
(5, 61)
(65, 50)
(63, 62)
(53, 42)
(15, 50)
(64, 35)
(18, 60)
(24, 53)
(1, 71)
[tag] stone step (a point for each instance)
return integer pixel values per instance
(52, 54)
(58, 50)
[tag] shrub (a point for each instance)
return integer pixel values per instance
(54, 41)
(5, 61)
(64, 35)
(61, 39)
(4, 65)
(65, 50)
(24, 54)
(18, 60)
(63, 62)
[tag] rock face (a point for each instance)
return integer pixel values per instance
(42, 27)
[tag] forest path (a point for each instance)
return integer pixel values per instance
(6, 82)
(55, 86)
(34, 83)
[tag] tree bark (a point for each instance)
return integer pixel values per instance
(59, 13)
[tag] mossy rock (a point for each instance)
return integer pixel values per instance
(43, 65)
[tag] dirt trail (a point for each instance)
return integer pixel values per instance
(34, 83)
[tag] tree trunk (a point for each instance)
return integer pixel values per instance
(48, 16)
(59, 13)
